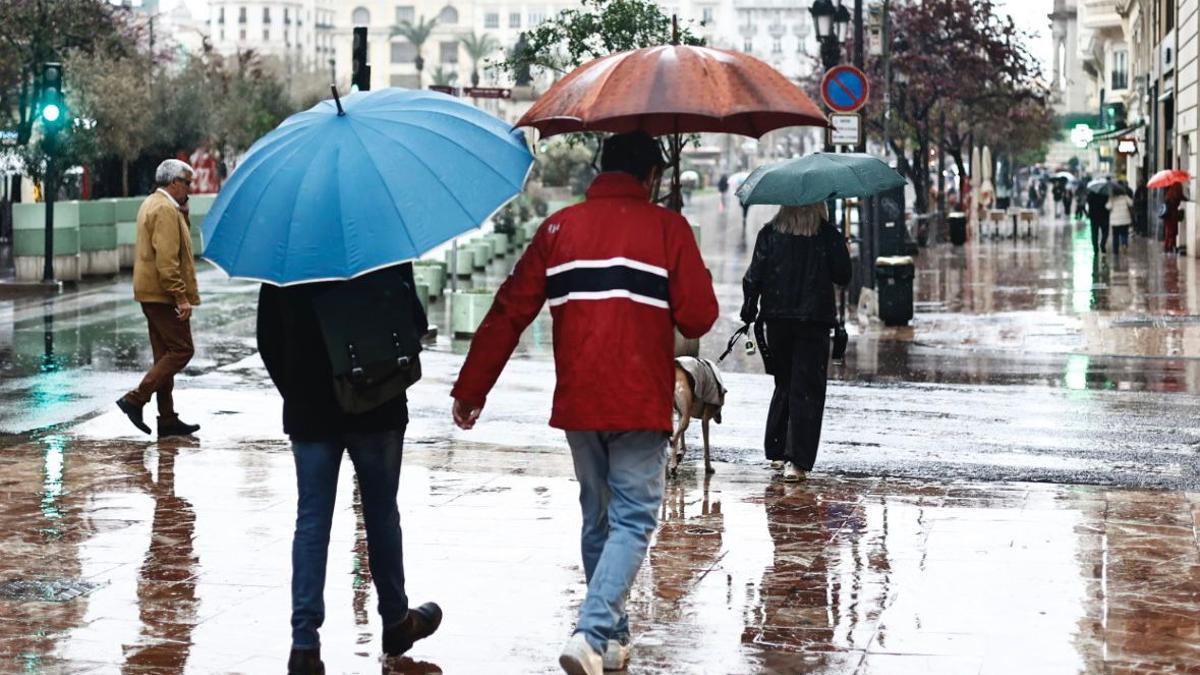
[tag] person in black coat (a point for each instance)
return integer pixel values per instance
(798, 258)
(292, 346)
(1141, 199)
(1097, 212)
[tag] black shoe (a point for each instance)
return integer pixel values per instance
(306, 662)
(134, 412)
(419, 624)
(176, 427)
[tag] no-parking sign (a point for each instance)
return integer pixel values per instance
(845, 88)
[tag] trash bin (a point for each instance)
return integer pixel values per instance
(957, 222)
(894, 285)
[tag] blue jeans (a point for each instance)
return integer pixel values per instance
(620, 491)
(376, 458)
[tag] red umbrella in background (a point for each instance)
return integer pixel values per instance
(673, 90)
(1168, 177)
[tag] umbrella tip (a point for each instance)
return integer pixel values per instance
(337, 100)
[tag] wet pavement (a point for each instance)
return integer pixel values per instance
(980, 504)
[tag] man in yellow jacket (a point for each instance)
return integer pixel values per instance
(164, 282)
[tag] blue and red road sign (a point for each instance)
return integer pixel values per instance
(845, 88)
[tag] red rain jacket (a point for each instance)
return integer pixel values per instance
(620, 274)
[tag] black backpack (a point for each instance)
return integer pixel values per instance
(371, 335)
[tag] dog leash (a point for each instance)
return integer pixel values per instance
(733, 339)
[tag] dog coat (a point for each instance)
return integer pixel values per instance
(707, 386)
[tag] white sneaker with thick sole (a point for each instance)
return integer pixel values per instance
(578, 657)
(777, 465)
(792, 473)
(616, 655)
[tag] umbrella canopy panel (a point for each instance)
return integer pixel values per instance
(673, 90)
(1168, 177)
(328, 196)
(817, 178)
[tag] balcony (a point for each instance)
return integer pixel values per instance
(1099, 14)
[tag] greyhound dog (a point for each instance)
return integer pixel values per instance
(699, 392)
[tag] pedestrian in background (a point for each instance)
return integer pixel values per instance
(164, 282)
(723, 188)
(798, 258)
(1120, 216)
(1059, 191)
(1097, 213)
(621, 274)
(1171, 204)
(1081, 193)
(1068, 198)
(1141, 198)
(293, 346)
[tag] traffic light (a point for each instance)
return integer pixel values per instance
(360, 77)
(1113, 116)
(53, 106)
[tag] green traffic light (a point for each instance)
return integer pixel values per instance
(51, 112)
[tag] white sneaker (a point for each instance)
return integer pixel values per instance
(616, 656)
(578, 657)
(777, 465)
(792, 473)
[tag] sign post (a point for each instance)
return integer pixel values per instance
(845, 129)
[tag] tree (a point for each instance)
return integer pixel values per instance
(598, 28)
(962, 59)
(443, 78)
(33, 32)
(416, 33)
(113, 93)
(478, 47)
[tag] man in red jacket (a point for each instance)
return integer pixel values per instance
(620, 274)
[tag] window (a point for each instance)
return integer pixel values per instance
(514, 19)
(221, 15)
(222, 35)
(1120, 69)
(266, 15)
(748, 46)
(403, 52)
(266, 35)
(776, 46)
(287, 16)
(491, 20)
(404, 81)
(448, 15)
(405, 13)
(241, 15)
(536, 17)
(706, 15)
(449, 52)
(361, 17)
(242, 35)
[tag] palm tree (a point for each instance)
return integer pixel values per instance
(478, 48)
(416, 33)
(443, 78)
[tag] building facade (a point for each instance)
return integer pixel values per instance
(299, 34)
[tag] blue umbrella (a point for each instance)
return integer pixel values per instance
(817, 178)
(330, 196)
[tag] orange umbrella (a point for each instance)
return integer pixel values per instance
(673, 89)
(1168, 177)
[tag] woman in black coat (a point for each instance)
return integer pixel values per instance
(798, 257)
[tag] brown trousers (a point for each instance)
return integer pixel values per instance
(171, 343)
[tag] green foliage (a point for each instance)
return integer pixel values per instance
(478, 48)
(418, 34)
(597, 28)
(565, 164)
(442, 77)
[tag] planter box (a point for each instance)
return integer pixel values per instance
(98, 238)
(29, 241)
(482, 254)
(464, 263)
(500, 244)
(432, 274)
(126, 244)
(423, 295)
(125, 209)
(467, 309)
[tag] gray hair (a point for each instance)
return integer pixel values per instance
(171, 169)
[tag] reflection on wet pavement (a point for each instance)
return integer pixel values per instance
(185, 549)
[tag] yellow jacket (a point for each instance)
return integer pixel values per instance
(164, 270)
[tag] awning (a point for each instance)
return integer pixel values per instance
(1113, 135)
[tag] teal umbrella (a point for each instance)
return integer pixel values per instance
(819, 177)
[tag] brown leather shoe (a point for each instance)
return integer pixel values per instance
(418, 624)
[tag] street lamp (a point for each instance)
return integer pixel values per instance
(841, 22)
(822, 12)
